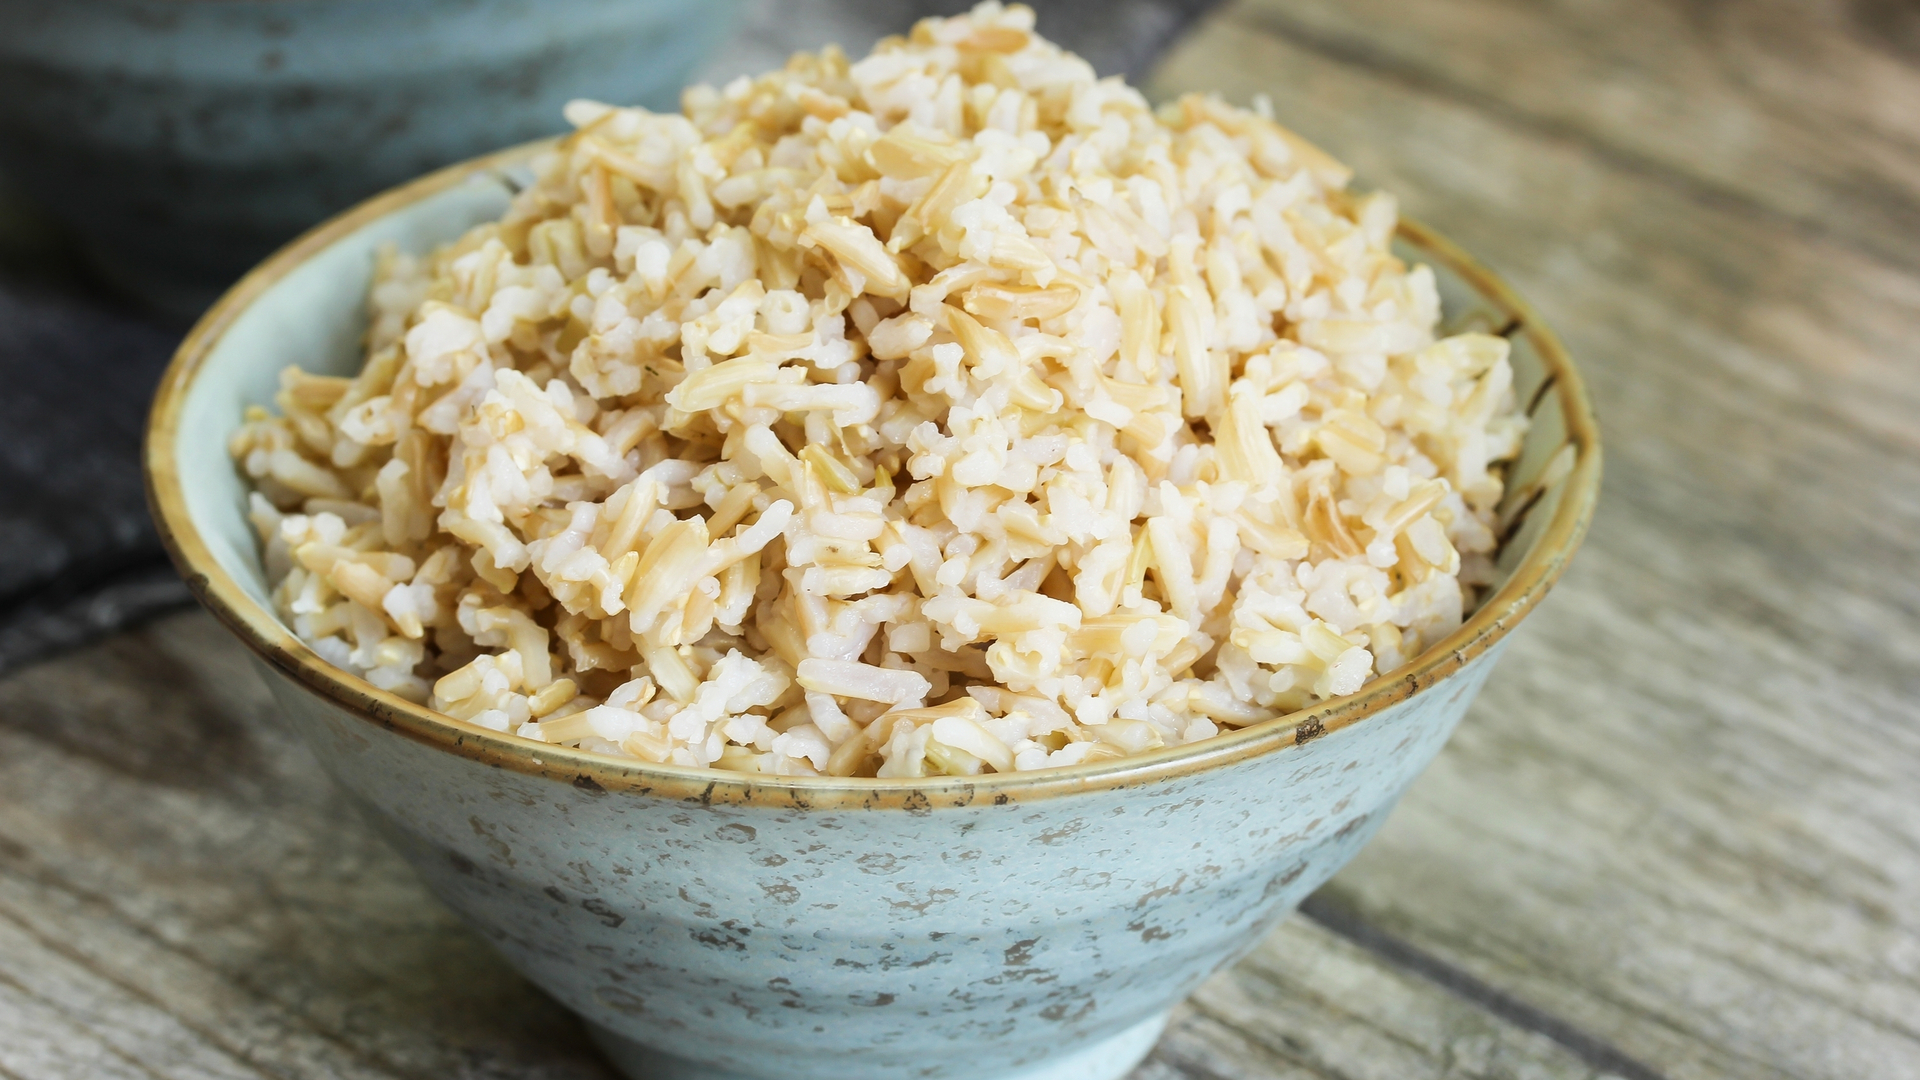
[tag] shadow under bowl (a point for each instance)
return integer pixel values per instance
(721, 926)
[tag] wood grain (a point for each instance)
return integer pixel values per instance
(1678, 837)
(182, 895)
(1309, 1003)
(181, 888)
(1683, 816)
(1797, 112)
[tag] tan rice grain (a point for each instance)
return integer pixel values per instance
(945, 412)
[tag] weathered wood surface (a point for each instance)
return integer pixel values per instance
(183, 896)
(1684, 818)
(1678, 837)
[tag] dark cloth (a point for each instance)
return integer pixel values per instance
(78, 554)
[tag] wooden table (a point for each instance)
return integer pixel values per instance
(1679, 836)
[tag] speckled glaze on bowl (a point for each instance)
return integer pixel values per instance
(719, 926)
(183, 140)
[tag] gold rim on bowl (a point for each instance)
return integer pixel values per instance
(263, 631)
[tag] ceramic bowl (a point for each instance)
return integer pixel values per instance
(183, 141)
(721, 926)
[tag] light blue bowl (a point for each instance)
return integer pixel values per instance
(716, 926)
(183, 140)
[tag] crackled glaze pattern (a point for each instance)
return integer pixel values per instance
(975, 941)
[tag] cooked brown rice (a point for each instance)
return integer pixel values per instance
(942, 412)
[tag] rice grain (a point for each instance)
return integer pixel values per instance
(948, 411)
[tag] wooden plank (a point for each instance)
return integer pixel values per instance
(1308, 1003)
(1683, 815)
(180, 888)
(36, 1041)
(95, 1010)
(1681, 825)
(180, 881)
(1802, 110)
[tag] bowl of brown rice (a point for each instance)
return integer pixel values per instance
(902, 567)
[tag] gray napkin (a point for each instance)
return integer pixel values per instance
(78, 555)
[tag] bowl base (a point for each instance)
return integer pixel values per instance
(1109, 1059)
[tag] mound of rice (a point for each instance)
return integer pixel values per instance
(943, 412)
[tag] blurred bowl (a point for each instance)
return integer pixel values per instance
(718, 926)
(183, 140)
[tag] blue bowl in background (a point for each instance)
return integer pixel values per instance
(181, 141)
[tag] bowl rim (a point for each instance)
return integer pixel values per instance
(594, 773)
